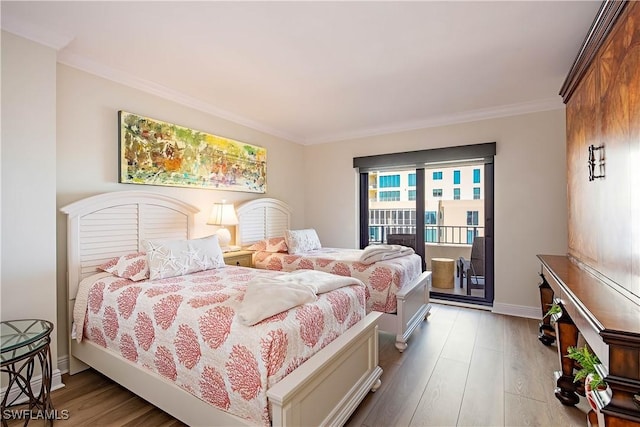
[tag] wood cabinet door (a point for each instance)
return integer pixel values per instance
(582, 131)
(619, 210)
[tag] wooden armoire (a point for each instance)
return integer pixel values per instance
(597, 283)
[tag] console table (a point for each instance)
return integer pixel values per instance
(608, 320)
(24, 343)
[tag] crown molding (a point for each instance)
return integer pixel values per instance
(59, 42)
(35, 33)
(610, 11)
(546, 104)
(119, 76)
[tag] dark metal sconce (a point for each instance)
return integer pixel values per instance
(592, 161)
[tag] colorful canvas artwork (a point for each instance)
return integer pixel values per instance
(159, 153)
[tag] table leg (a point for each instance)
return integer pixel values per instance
(567, 336)
(20, 375)
(547, 333)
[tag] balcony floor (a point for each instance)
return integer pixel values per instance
(457, 290)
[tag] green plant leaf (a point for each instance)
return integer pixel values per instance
(553, 309)
(587, 362)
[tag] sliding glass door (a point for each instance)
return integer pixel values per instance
(444, 210)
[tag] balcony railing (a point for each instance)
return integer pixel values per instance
(442, 234)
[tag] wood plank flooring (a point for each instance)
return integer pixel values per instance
(467, 367)
(463, 367)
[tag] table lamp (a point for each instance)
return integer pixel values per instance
(223, 214)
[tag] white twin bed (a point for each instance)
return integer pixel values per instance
(397, 287)
(342, 366)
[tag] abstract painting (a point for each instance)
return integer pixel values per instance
(159, 153)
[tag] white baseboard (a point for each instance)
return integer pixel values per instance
(36, 383)
(498, 308)
(460, 304)
(56, 380)
(517, 310)
(63, 364)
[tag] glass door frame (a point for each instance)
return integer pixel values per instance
(483, 152)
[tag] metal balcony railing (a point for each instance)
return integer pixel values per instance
(438, 234)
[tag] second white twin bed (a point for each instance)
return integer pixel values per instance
(396, 284)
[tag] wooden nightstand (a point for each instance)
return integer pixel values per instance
(239, 258)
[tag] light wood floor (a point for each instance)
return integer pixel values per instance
(462, 367)
(468, 367)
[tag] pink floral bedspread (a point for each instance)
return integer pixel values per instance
(184, 329)
(383, 278)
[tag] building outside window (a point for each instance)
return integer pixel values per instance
(437, 175)
(390, 196)
(476, 176)
(476, 193)
(437, 192)
(456, 194)
(472, 220)
(472, 217)
(456, 177)
(412, 195)
(390, 181)
(412, 180)
(431, 232)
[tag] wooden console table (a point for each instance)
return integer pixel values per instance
(608, 320)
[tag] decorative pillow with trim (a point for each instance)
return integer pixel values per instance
(302, 240)
(131, 266)
(274, 244)
(170, 258)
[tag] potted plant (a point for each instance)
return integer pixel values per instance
(596, 389)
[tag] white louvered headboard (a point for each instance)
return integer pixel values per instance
(261, 219)
(112, 224)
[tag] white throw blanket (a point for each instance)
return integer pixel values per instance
(267, 296)
(375, 253)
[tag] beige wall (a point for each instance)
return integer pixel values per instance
(87, 157)
(530, 192)
(28, 171)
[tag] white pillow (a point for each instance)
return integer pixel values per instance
(169, 258)
(302, 240)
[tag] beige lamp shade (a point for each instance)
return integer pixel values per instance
(223, 214)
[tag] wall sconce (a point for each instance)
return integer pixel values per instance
(223, 214)
(593, 162)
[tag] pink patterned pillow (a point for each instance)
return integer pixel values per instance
(131, 266)
(274, 244)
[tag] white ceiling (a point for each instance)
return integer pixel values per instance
(318, 71)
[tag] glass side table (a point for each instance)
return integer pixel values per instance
(25, 343)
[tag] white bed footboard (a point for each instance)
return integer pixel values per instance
(325, 390)
(413, 307)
